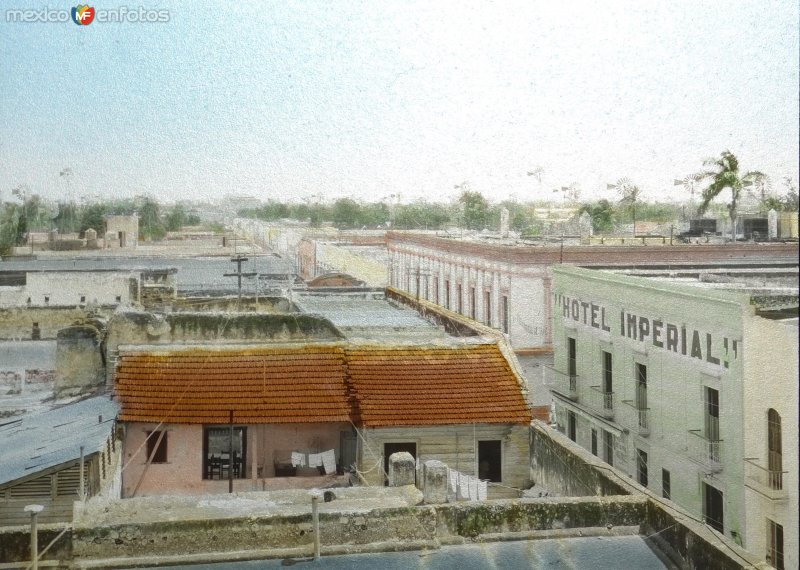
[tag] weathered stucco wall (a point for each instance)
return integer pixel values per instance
(183, 472)
(79, 359)
(138, 328)
(456, 446)
(17, 322)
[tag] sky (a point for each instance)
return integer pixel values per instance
(376, 100)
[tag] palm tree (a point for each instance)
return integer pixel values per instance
(725, 174)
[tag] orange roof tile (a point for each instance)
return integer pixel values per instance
(294, 385)
(417, 386)
(374, 386)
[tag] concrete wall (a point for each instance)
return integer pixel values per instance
(17, 322)
(137, 328)
(72, 288)
(456, 446)
(183, 472)
(771, 370)
(80, 362)
(558, 465)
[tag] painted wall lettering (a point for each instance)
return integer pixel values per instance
(669, 336)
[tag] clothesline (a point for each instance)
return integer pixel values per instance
(326, 459)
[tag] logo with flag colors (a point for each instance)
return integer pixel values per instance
(83, 15)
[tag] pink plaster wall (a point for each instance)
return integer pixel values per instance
(182, 474)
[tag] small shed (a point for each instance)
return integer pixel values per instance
(40, 456)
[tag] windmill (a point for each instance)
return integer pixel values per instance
(689, 184)
(629, 195)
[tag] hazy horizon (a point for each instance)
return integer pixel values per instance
(369, 100)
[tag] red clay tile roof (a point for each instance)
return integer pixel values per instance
(417, 386)
(373, 386)
(276, 385)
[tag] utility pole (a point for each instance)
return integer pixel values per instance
(238, 260)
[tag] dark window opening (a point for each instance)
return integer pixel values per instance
(775, 545)
(641, 467)
(118, 298)
(160, 455)
(487, 307)
(774, 450)
(472, 303)
(83, 298)
(572, 365)
(572, 430)
(490, 461)
(505, 314)
(608, 376)
(447, 294)
(594, 442)
(608, 447)
(713, 507)
(459, 299)
(666, 484)
(224, 452)
(390, 448)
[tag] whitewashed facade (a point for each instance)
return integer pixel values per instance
(689, 392)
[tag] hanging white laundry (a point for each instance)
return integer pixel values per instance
(329, 461)
(453, 476)
(463, 486)
(298, 459)
(482, 488)
(473, 488)
(314, 460)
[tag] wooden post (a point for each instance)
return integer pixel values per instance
(34, 510)
(82, 487)
(315, 522)
(230, 451)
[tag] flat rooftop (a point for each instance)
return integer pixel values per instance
(596, 553)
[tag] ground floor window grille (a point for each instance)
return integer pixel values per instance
(775, 544)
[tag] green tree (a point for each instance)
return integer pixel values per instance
(602, 214)
(476, 210)
(724, 173)
(175, 218)
(150, 224)
(92, 218)
(346, 213)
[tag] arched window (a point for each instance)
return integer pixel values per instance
(774, 450)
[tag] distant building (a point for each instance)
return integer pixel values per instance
(200, 416)
(507, 285)
(121, 231)
(689, 389)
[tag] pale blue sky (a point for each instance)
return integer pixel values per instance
(289, 99)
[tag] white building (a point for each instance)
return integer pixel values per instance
(68, 288)
(507, 285)
(689, 388)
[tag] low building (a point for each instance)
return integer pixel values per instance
(69, 288)
(199, 420)
(121, 231)
(44, 454)
(688, 383)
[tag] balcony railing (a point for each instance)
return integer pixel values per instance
(768, 482)
(705, 451)
(640, 419)
(561, 382)
(601, 402)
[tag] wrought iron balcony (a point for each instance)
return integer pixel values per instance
(705, 451)
(640, 417)
(767, 482)
(564, 384)
(601, 402)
